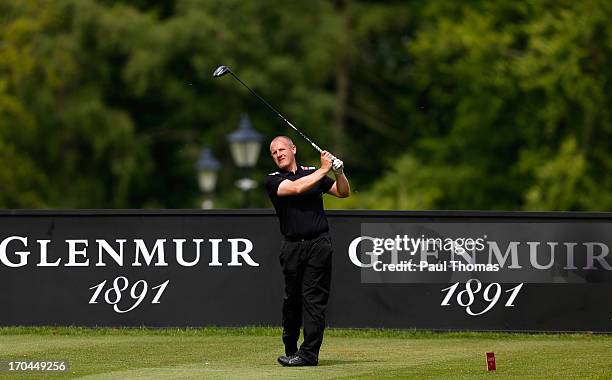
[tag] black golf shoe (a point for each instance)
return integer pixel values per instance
(283, 360)
(295, 361)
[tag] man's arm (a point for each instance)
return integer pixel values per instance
(341, 188)
(301, 185)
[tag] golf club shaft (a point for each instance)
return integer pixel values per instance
(278, 113)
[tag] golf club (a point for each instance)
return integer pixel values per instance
(222, 70)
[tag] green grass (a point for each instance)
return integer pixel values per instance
(251, 353)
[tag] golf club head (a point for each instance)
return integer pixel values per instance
(221, 71)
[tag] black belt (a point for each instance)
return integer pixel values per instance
(294, 239)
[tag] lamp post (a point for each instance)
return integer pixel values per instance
(245, 144)
(208, 167)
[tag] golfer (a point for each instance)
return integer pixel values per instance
(297, 195)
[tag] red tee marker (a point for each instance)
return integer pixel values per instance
(491, 361)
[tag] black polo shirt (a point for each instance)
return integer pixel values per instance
(300, 216)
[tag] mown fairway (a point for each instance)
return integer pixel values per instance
(251, 353)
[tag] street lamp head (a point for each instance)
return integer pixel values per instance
(207, 167)
(245, 143)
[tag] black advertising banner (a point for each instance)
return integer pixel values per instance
(425, 270)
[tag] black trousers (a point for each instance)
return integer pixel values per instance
(307, 271)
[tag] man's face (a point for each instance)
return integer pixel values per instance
(283, 153)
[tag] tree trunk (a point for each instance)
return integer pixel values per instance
(342, 86)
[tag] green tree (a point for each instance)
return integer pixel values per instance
(75, 149)
(502, 86)
(431, 104)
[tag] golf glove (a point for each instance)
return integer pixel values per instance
(337, 166)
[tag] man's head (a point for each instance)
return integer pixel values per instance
(283, 153)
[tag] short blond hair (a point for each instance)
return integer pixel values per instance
(281, 137)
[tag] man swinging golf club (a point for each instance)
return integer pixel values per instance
(296, 193)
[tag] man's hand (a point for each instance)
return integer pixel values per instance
(341, 187)
(337, 166)
(326, 161)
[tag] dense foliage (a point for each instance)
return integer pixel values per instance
(431, 104)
